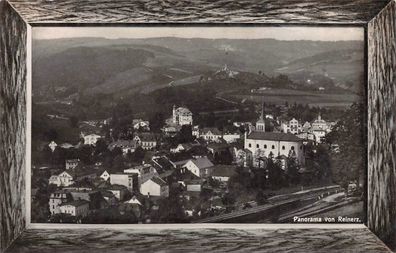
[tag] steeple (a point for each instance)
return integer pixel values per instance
(260, 124)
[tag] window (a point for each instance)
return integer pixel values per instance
(257, 146)
(273, 146)
(301, 147)
(283, 147)
(292, 147)
(250, 145)
(265, 145)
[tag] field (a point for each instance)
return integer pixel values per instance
(312, 98)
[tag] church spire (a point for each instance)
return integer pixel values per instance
(260, 124)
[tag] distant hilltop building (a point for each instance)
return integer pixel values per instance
(182, 116)
(225, 72)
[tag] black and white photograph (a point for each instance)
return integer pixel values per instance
(189, 124)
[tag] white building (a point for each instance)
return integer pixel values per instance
(71, 163)
(231, 137)
(144, 172)
(292, 126)
(182, 116)
(140, 124)
(147, 141)
(265, 144)
(56, 199)
(125, 179)
(155, 186)
(77, 208)
(91, 139)
(105, 175)
(211, 134)
(63, 179)
(201, 166)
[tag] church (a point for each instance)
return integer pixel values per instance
(264, 144)
(182, 116)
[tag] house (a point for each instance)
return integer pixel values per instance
(155, 187)
(293, 126)
(200, 166)
(69, 177)
(144, 172)
(127, 146)
(56, 199)
(71, 163)
(139, 124)
(129, 180)
(119, 191)
(195, 131)
(95, 198)
(182, 116)
(211, 134)
(181, 147)
(170, 130)
(104, 175)
(231, 137)
(52, 146)
(223, 172)
(110, 198)
(77, 208)
(194, 185)
(147, 141)
(91, 139)
(162, 164)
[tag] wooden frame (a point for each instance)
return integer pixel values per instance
(377, 17)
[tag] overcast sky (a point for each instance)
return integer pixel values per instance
(280, 33)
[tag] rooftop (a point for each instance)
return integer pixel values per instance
(202, 162)
(76, 203)
(272, 136)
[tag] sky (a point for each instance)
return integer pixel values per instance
(279, 33)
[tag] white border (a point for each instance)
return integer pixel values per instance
(153, 227)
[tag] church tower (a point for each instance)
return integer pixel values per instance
(260, 124)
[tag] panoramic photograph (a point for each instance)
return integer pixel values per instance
(140, 125)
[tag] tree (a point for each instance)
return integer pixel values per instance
(138, 155)
(157, 121)
(74, 121)
(349, 163)
(185, 134)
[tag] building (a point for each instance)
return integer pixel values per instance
(77, 208)
(181, 148)
(155, 187)
(260, 124)
(211, 134)
(265, 144)
(91, 139)
(125, 179)
(63, 179)
(105, 175)
(182, 116)
(139, 124)
(231, 137)
(119, 191)
(292, 126)
(147, 141)
(71, 163)
(56, 199)
(144, 172)
(127, 146)
(201, 166)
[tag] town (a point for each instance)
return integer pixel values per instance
(264, 170)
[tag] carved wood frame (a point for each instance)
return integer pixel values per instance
(17, 18)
